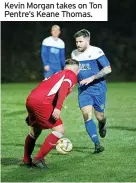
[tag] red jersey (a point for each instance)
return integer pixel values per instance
(55, 88)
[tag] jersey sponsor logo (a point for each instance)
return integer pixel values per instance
(85, 66)
(54, 50)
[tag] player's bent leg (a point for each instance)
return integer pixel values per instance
(35, 131)
(29, 146)
(91, 127)
(59, 129)
(48, 145)
(101, 123)
(99, 106)
(99, 115)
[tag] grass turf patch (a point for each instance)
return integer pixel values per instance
(116, 163)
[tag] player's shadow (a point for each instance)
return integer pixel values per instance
(11, 144)
(17, 145)
(9, 161)
(122, 128)
(75, 149)
(81, 149)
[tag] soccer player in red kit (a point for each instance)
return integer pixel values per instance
(44, 105)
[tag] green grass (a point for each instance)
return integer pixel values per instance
(118, 161)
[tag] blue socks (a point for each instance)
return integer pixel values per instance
(92, 131)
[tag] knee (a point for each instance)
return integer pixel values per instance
(100, 117)
(59, 130)
(58, 134)
(35, 132)
(36, 135)
(87, 116)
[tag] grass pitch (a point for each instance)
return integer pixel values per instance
(118, 161)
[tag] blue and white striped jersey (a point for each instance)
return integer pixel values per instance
(91, 61)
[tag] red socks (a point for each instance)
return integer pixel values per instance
(47, 146)
(28, 148)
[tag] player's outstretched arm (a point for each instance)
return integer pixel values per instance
(104, 62)
(106, 70)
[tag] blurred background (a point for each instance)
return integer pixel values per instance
(21, 43)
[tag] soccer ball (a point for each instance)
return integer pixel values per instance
(64, 146)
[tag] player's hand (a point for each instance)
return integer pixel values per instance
(46, 68)
(56, 114)
(87, 80)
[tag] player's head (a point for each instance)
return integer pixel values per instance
(82, 38)
(73, 65)
(55, 31)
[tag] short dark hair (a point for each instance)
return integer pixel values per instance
(83, 32)
(71, 61)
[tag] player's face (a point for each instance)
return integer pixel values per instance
(55, 32)
(82, 43)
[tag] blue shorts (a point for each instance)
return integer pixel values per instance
(97, 101)
(50, 72)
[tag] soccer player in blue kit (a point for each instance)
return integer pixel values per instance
(94, 65)
(53, 53)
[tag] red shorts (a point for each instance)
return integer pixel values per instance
(39, 114)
